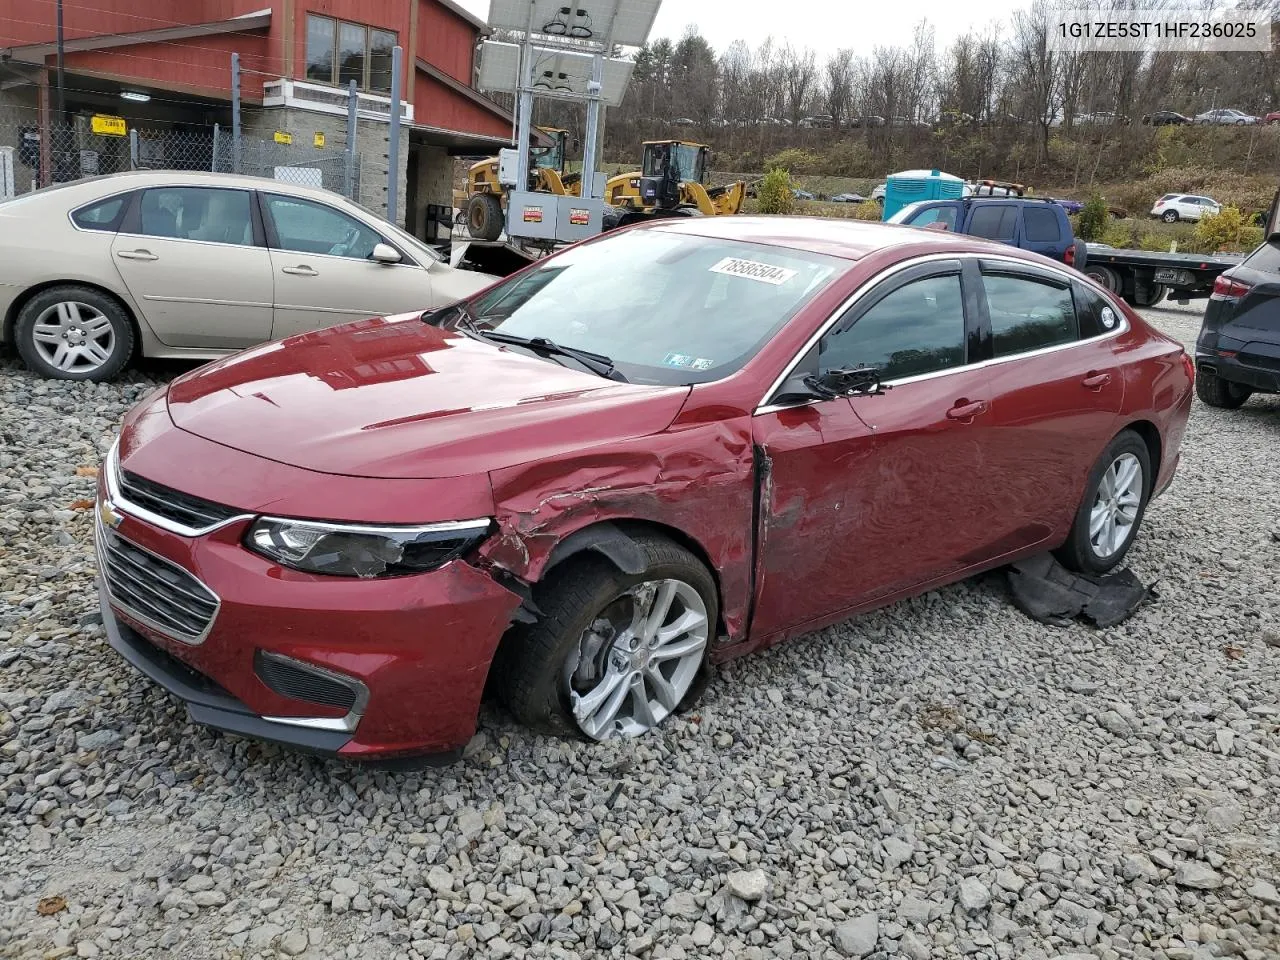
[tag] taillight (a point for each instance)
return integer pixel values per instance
(1228, 288)
(1070, 256)
(1189, 365)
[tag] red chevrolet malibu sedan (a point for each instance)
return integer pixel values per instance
(653, 452)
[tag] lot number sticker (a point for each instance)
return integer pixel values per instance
(1108, 317)
(754, 270)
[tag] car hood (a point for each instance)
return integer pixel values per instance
(398, 398)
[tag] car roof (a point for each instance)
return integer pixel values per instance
(847, 239)
(108, 184)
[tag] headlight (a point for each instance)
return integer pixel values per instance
(356, 550)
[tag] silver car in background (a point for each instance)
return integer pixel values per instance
(195, 266)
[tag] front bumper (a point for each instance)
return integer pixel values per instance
(418, 647)
(206, 702)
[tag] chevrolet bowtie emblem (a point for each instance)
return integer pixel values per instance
(108, 516)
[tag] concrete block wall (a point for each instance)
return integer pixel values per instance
(373, 140)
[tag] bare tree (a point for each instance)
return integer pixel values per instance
(838, 90)
(799, 71)
(1036, 70)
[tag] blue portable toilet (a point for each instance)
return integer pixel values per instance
(909, 186)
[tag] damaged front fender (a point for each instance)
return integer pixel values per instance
(697, 483)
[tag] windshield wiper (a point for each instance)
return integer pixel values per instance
(595, 362)
(465, 319)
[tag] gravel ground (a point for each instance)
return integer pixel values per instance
(944, 778)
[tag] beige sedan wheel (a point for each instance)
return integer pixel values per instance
(74, 333)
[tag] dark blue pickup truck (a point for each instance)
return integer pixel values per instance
(1042, 226)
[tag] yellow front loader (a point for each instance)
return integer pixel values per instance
(485, 195)
(672, 183)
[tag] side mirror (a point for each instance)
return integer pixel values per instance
(831, 385)
(385, 253)
(845, 382)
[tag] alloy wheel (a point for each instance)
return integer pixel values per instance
(636, 661)
(74, 337)
(1116, 505)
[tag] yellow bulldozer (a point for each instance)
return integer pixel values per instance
(672, 183)
(485, 195)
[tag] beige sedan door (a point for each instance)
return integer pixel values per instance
(197, 268)
(324, 271)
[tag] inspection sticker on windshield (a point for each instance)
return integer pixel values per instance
(754, 270)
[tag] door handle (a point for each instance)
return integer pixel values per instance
(302, 270)
(965, 410)
(136, 255)
(1096, 381)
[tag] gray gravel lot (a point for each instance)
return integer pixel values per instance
(944, 778)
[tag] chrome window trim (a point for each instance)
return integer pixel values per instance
(343, 724)
(111, 471)
(203, 243)
(764, 406)
(137, 615)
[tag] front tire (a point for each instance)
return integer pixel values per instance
(613, 654)
(1223, 394)
(73, 332)
(1114, 503)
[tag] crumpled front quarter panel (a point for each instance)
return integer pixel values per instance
(696, 479)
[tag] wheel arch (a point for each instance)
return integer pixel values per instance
(20, 301)
(614, 540)
(1149, 433)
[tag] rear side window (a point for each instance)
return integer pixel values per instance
(1028, 314)
(994, 223)
(1095, 314)
(1042, 225)
(1265, 258)
(103, 215)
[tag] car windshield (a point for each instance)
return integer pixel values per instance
(665, 307)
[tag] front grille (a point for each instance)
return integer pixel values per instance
(298, 683)
(158, 593)
(182, 508)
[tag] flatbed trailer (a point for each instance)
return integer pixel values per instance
(1145, 278)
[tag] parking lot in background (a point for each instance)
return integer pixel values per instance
(942, 778)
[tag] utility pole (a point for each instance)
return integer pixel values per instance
(349, 177)
(62, 103)
(393, 147)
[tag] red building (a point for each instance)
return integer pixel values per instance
(170, 68)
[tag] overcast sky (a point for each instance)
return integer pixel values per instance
(826, 26)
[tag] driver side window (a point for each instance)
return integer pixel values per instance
(304, 226)
(916, 329)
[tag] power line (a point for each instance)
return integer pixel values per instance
(181, 45)
(252, 35)
(204, 104)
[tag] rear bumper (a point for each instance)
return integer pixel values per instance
(1262, 379)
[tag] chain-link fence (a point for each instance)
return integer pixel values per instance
(74, 151)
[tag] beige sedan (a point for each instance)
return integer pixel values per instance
(197, 265)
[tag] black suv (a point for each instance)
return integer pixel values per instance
(1238, 350)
